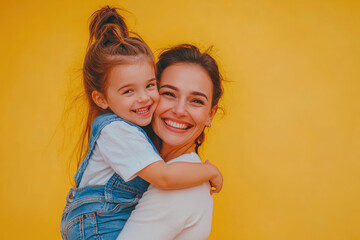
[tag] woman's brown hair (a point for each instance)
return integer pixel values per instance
(187, 53)
(110, 44)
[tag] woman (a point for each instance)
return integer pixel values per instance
(189, 88)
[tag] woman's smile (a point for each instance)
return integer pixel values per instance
(184, 108)
(176, 125)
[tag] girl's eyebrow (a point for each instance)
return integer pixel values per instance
(130, 84)
(152, 79)
(125, 86)
(192, 93)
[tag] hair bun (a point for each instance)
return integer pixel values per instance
(107, 25)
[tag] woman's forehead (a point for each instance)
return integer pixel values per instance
(187, 76)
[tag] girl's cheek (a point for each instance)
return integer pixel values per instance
(157, 96)
(159, 105)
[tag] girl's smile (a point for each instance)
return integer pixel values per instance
(143, 111)
(131, 92)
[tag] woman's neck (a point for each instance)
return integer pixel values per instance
(170, 152)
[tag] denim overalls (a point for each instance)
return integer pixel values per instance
(100, 211)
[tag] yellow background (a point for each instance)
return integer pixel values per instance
(288, 145)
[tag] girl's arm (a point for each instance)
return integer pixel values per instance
(129, 153)
(180, 175)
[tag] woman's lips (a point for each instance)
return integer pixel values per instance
(176, 126)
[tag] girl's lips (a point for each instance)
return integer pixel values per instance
(143, 111)
(176, 126)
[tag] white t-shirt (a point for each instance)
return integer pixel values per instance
(120, 148)
(184, 214)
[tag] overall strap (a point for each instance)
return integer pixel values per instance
(116, 189)
(98, 124)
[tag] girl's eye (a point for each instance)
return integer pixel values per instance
(168, 94)
(128, 91)
(151, 85)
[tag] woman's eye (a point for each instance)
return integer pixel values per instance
(198, 101)
(168, 94)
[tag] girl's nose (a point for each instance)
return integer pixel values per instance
(143, 97)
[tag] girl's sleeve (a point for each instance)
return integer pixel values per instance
(126, 149)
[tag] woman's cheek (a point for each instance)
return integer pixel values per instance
(164, 103)
(200, 115)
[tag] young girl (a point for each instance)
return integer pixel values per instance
(120, 84)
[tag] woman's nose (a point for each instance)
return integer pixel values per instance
(179, 108)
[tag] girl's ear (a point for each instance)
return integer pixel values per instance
(211, 115)
(99, 99)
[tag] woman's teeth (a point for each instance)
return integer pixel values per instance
(176, 125)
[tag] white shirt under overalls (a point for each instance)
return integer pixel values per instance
(120, 148)
(184, 214)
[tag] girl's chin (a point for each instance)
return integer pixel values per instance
(142, 122)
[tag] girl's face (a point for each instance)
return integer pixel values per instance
(132, 92)
(185, 107)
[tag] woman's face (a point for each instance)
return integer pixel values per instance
(185, 107)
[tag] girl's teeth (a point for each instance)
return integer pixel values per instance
(141, 110)
(175, 124)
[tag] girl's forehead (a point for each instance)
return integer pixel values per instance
(138, 71)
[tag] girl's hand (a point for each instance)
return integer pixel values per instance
(215, 182)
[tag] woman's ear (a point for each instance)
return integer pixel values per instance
(211, 115)
(99, 99)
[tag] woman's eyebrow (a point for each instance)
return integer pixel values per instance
(169, 86)
(199, 94)
(192, 93)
